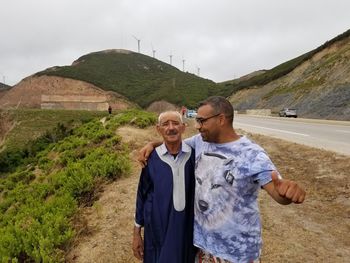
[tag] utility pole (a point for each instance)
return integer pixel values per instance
(138, 43)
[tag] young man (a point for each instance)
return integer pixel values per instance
(230, 170)
(164, 205)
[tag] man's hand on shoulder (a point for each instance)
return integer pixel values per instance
(146, 151)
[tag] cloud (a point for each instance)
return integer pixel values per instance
(225, 39)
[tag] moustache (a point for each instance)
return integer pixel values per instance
(172, 132)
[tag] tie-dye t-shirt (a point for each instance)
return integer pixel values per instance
(228, 179)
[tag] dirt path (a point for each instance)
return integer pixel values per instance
(109, 222)
(6, 125)
(316, 231)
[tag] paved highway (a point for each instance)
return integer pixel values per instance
(329, 135)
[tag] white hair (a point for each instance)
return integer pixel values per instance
(161, 115)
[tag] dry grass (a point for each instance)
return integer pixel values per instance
(316, 231)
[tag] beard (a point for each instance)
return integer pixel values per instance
(209, 137)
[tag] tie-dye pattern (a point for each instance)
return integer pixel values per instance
(228, 179)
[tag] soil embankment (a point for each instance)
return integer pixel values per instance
(48, 92)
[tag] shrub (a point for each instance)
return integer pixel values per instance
(35, 212)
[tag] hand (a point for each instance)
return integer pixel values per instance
(288, 189)
(144, 153)
(137, 246)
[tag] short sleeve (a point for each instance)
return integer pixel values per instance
(191, 141)
(261, 167)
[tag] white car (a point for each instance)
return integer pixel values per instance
(191, 114)
(286, 112)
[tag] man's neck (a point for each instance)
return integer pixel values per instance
(173, 148)
(228, 136)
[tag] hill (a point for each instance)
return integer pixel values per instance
(43, 184)
(3, 86)
(316, 83)
(23, 125)
(50, 92)
(138, 77)
(3, 89)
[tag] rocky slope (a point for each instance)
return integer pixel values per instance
(319, 87)
(51, 92)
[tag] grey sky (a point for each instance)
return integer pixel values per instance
(224, 38)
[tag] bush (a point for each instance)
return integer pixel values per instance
(14, 157)
(35, 211)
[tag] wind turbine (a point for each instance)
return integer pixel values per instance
(183, 64)
(138, 43)
(171, 58)
(3, 78)
(153, 51)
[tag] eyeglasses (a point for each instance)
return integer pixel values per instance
(200, 120)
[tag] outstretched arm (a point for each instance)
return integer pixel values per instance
(284, 191)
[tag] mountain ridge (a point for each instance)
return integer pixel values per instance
(316, 82)
(319, 87)
(138, 77)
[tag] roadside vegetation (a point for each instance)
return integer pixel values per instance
(41, 190)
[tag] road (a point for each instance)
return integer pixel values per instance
(323, 134)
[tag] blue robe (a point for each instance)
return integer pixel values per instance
(168, 233)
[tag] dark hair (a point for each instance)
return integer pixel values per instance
(219, 105)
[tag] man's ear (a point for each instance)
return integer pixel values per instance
(183, 127)
(222, 119)
(158, 129)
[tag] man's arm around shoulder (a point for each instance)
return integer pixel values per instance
(146, 151)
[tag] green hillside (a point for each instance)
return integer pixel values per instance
(32, 123)
(278, 71)
(42, 186)
(138, 77)
(143, 79)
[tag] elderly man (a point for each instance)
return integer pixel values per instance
(164, 205)
(230, 170)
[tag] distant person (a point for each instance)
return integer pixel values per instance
(164, 203)
(230, 170)
(183, 112)
(110, 109)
